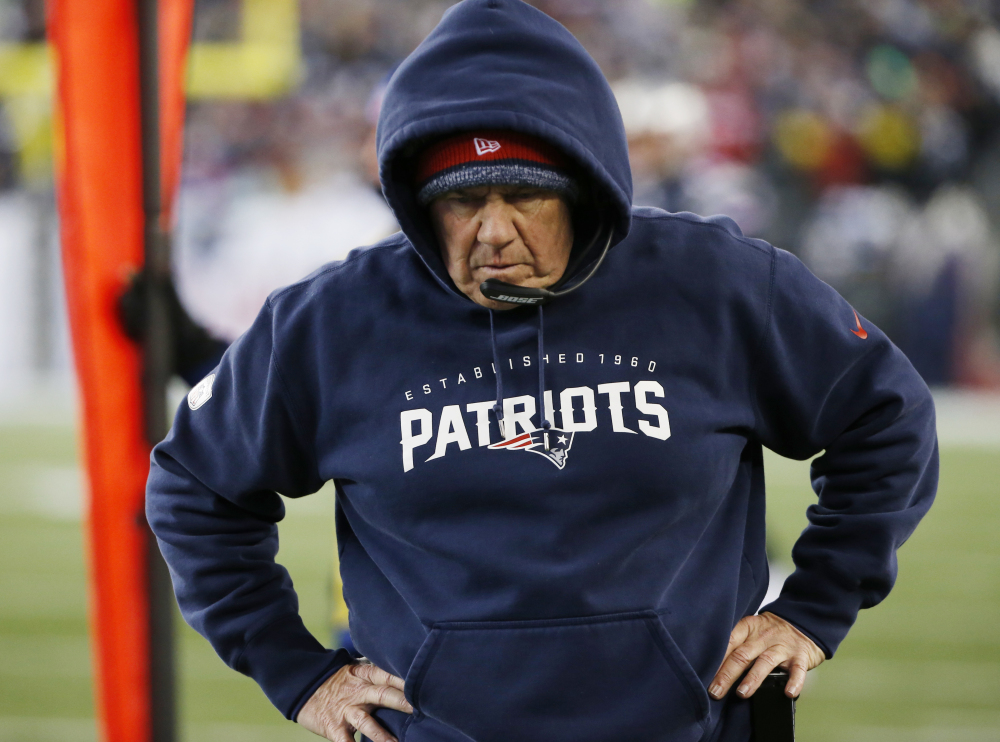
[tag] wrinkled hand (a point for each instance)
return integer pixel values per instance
(343, 704)
(772, 642)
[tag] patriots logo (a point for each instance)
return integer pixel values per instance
(553, 444)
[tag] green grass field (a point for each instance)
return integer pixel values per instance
(922, 667)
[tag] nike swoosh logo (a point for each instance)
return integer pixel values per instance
(861, 332)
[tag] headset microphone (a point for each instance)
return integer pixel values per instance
(497, 290)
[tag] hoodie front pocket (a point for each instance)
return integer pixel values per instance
(592, 679)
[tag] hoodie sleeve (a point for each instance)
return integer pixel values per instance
(212, 502)
(829, 381)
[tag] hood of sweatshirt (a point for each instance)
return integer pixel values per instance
(502, 64)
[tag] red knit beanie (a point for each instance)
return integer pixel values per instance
(491, 157)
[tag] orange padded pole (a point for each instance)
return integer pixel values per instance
(99, 182)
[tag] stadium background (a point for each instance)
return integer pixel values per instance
(861, 136)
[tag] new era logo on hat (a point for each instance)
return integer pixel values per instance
(491, 157)
(485, 146)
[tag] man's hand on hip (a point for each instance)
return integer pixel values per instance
(772, 642)
(343, 704)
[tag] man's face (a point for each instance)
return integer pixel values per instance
(522, 236)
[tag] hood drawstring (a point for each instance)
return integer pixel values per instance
(541, 377)
(498, 405)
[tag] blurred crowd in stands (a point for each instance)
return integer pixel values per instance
(863, 136)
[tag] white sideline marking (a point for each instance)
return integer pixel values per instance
(970, 419)
(54, 492)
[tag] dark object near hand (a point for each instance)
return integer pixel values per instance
(772, 712)
(194, 351)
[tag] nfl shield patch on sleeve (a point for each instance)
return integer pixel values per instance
(201, 392)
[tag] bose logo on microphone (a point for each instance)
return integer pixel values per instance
(518, 299)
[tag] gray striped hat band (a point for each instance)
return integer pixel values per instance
(510, 172)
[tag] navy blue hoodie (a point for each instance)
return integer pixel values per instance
(577, 588)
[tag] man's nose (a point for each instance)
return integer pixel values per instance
(496, 223)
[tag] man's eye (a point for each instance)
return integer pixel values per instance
(463, 199)
(525, 195)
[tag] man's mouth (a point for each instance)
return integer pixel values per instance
(490, 269)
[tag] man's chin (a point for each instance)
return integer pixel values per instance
(515, 276)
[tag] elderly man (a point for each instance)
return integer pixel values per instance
(607, 586)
